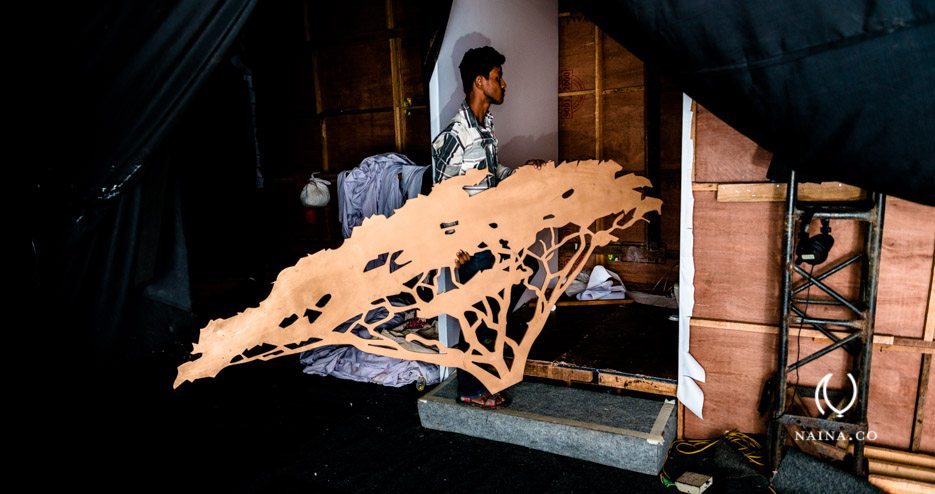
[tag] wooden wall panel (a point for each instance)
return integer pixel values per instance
(351, 138)
(724, 155)
(575, 54)
(356, 76)
(738, 249)
(576, 128)
(621, 68)
(624, 133)
(905, 267)
(738, 363)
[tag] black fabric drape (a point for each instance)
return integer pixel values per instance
(105, 215)
(841, 90)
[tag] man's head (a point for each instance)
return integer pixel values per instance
(482, 70)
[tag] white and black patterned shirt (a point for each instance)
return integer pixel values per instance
(465, 145)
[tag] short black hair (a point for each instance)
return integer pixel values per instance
(479, 61)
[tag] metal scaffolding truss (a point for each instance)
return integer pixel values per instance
(849, 329)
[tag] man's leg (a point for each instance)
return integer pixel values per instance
(468, 385)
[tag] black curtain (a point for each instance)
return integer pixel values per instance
(105, 211)
(838, 90)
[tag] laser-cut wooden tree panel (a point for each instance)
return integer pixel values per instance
(325, 290)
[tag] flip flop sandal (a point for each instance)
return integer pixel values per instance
(489, 401)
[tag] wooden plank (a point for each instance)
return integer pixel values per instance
(921, 397)
(609, 379)
(897, 470)
(929, 332)
(901, 457)
(599, 95)
(927, 441)
(551, 370)
(893, 485)
(759, 192)
(704, 187)
(878, 339)
(318, 109)
(680, 429)
(632, 383)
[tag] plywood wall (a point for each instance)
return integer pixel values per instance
(734, 329)
(603, 115)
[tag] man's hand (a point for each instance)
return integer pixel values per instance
(462, 258)
(536, 163)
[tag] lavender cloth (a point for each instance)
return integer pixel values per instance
(379, 185)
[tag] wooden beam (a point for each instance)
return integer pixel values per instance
(599, 115)
(704, 187)
(642, 384)
(573, 374)
(921, 396)
(883, 342)
(929, 333)
(614, 90)
(318, 109)
(897, 456)
(902, 471)
(893, 485)
(399, 123)
(769, 192)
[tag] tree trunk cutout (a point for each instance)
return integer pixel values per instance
(330, 288)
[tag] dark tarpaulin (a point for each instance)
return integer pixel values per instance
(106, 216)
(837, 90)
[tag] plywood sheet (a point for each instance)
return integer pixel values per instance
(905, 267)
(624, 133)
(737, 364)
(621, 68)
(410, 70)
(576, 127)
(575, 54)
(356, 75)
(724, 155)
(738, 260)
(311, 302)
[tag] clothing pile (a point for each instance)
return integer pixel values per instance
(379, 185)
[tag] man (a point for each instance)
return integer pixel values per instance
(469, 142)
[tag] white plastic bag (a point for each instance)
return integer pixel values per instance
(315, 193)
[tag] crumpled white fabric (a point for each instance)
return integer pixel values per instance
(347, 362)
(597, 284)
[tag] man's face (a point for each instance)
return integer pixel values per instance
(494, 86)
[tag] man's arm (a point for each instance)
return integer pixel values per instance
(446, 156)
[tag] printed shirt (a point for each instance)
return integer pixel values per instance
(465, 145)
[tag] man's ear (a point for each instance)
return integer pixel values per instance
(479, 81)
